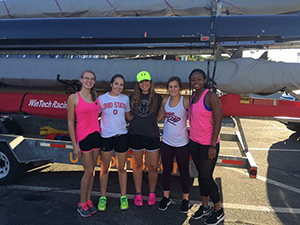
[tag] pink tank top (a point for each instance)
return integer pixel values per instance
(199, 116)
(87, 118)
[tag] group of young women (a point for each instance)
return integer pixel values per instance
(143, 108)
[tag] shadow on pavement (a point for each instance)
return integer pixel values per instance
(284, 167)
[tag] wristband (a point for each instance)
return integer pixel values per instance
(213, 147)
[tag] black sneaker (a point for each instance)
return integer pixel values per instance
(164, 203)
(185, 206)
(216, 217)
(201, 212)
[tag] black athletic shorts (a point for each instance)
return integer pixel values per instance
(140, 142)
(119, 143)
(92, 142)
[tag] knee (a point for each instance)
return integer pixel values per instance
(197, 165)
(167, 169)
(121, 169)
(206, 183)
(152, 167)
(185, 175)
(89, 172)
(206, 179)
(203, 179)
(138, 165)
(104, 170)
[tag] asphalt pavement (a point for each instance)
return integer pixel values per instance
(49, 194)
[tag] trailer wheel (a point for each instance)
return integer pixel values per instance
(9, 167)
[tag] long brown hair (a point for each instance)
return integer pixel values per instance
(92, 91)
(137, 98)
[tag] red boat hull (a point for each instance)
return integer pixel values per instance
(45, 105)
(55, 105)
(237, 105)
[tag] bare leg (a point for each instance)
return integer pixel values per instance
(87, 162)
(217, 206)
(205, 200)
(121, 161)
(185, 196)
(105, 163)
(167, 194)
(152, 158)
(137, 170)
(95, 155)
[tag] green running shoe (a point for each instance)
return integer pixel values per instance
(124, 203)
(102, 204)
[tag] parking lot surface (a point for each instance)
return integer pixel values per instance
(49, 194)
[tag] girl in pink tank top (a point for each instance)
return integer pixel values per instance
(84, 107)
(201, 128)
(204, 144)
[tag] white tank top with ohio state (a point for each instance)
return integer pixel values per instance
(175, 129)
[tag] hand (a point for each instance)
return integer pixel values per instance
(212, 153)
(77, 151)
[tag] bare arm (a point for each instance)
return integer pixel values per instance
(128, 116)
(217, 114)
(72, 101)
(161, 112)
(186, 103)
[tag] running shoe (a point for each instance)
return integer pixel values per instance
(152, 199)
(185, 206)
(215, 218)
(201, 212)
(124, 203)
(102, 204)
(164, 203)
(83, 210)
(92, 208)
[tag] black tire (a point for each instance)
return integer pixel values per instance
(9, 167)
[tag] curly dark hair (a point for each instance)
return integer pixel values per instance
(197, 71)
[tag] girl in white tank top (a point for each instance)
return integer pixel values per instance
(175, 125)
(175, 143)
